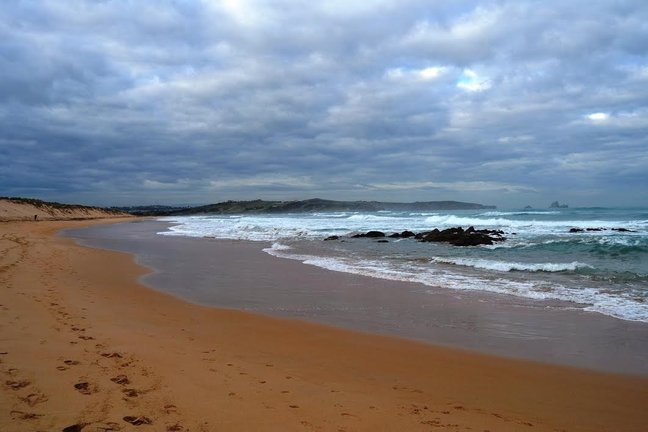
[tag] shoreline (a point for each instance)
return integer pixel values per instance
(240, 275)
(75, 316)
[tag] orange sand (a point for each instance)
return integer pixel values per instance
(72, 316)
(17, 211)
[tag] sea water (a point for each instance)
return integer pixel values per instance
(604, 269)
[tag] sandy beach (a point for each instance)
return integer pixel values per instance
(84, 346)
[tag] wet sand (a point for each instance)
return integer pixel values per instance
(82, 343)
(239, 275)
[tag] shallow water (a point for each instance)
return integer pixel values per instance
(602, 269)
(237, 274)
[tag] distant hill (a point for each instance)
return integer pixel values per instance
(13, 208)
(317, 205)
(150, 210)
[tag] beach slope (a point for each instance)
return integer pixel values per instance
(83, 345)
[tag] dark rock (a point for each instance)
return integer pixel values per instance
(370, 234)
(423, 234)
(333, 237)
(575, 230)
(382, 241)
(374, 234)
(460, 237)
(472, 240)
(404, 234)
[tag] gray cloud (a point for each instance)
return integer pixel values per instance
(504, 102)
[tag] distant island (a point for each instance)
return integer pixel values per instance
(556, 204)
(304, 206)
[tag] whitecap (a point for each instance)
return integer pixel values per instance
(504, 266)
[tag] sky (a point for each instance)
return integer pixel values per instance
(510, 103)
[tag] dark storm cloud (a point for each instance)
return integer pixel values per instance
(505, 102)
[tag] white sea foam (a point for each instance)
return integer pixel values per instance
(320, 225)
(590, 299)
(532, 225)
(280, 247)
(472, 272)
(518, 213)
(503, 266)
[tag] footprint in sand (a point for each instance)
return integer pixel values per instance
(103, 427)
(120, 379)
(138, 421)
(75, 427)
(129, 392)
(21, 415)
(85, 388)
(34, 399)
(17, 385)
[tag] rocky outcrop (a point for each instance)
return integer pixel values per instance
(460, 237)
(370, 234)
(579, 230)
(404, 234)
(455, 236)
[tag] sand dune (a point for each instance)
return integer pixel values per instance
(83, 346)
(18, 209)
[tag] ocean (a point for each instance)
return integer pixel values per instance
(602, 267)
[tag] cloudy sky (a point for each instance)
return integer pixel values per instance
(498, 102)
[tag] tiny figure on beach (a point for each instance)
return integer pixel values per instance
(35, 217)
